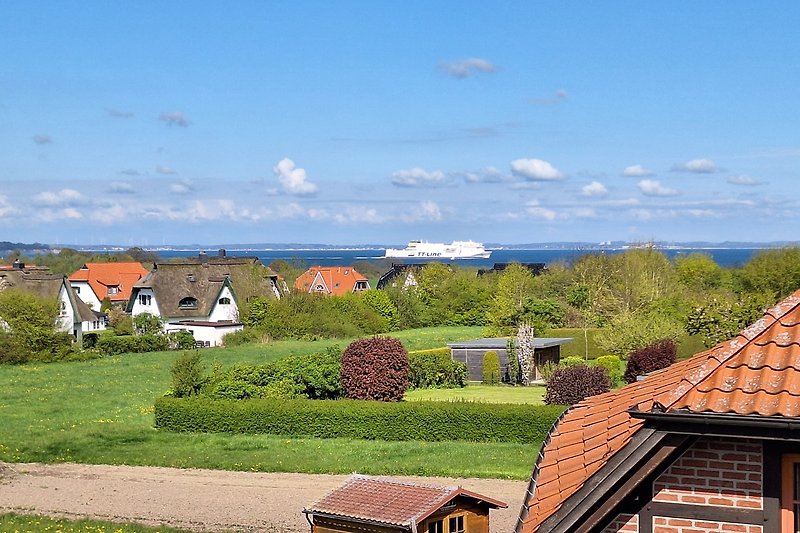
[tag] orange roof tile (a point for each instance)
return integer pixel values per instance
(101, 276)
(389, 501)
(335, 280)
(757, 372)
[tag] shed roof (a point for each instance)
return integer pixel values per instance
(389, 501)
(500, 343)
(757, 373)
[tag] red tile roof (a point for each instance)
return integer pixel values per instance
(389, 501)
(757, 372)
(336, 280)
(101, 276)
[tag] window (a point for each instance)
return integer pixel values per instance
(435, 527)
(224, 301)
(188, 303)
(790, 494)
(144, 299)
(113, 290)
(456, 524)
(319, 288)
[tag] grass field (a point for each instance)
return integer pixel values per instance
(39, 524)
(481, 393)
(101, 412)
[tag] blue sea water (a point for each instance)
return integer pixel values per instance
(725, 257)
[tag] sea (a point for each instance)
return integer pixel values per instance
(725, 257)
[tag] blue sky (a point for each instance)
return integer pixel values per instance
(353, 122)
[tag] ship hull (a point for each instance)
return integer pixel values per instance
(456, 250)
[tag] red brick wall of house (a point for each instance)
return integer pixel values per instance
(717, 472)
(623, 523)
(682, 525)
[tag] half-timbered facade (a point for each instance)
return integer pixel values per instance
(711, 443)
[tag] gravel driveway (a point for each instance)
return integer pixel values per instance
(207, 500)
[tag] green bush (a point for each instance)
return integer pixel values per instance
(114, 345)
(547, 369)
(571, 360)
(313, 376)
(187, 375)
(572, 384)
(513, 369)
(434, 369)
(612, 364)
(391, 421)
(491, 368)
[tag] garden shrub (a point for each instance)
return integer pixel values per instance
(187, 375)
(547, 369)
(571, 360)
(572, 384)
(375, 369)
(613, 367)
(658, 355)
(513, 370)
(434, 369)
(491, 368)
(390, 421)
(115, 345)
(315, 376)
(180, 340)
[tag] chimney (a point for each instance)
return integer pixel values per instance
(203, 258)
(222, 252)
(18, 265)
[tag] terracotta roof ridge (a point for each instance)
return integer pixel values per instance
(721, 354)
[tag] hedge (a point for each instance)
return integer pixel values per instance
(358, 419)
(116, 345)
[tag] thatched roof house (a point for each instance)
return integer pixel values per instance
(202, 288)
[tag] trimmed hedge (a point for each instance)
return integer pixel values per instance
(116, 345)
(371, 420)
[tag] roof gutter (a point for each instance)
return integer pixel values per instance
(388, 525)
(714, 423)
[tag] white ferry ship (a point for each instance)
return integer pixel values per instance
(436, 250)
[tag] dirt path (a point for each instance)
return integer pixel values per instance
(207, 500)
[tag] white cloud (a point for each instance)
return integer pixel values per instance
(558, 97)
(42, 138)
(293, 180)
(418, 177)
(130, 172)
(64, 197)
(174, 118)
(121, 187)
(486, 175)
(6, 209)
(110, 214)
(427, 211)
(166, 170)
(54, 215)
(743, 180)
(654, 188)
(466, 67)
(541, 212)
(637, 171)
(181, 187)
(535, 170)
(696, 166)
(358, 215)
(595, 188)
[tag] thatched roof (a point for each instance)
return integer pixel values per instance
(203, 279)
(45, 285)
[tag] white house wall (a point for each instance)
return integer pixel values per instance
(224, 312)
(206, 334)
(84, 292)
(66, 315)
(138, 308)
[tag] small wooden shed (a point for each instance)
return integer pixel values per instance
(367, 504)
(546, 349)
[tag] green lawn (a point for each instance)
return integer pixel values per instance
(39, 524)
(481, 393)
(101, 412)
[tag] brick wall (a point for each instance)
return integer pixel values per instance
(623, 523)
(714, 471)
(681, 525)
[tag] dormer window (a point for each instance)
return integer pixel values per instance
(113, 290)
(188, 303)
(224, 301)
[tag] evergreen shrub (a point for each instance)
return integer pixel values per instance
(434, 369)
(572, 384)
(491, 368)
(658, 355)
(375, 369)
(390, 421)
(571, 360)
(187, 375)
(612, 364)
